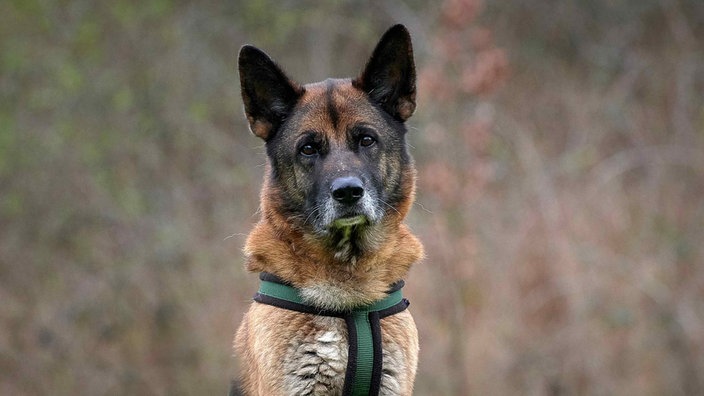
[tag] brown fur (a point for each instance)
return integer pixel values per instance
(272, 341)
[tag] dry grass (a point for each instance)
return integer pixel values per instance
(566, 215)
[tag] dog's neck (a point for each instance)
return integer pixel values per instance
(325, 280)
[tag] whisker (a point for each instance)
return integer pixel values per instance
(389, 205)
(315, 210)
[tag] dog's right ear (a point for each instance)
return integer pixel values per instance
(268, 95)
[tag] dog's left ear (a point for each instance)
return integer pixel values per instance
(390, 75)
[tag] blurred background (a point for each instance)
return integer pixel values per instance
(560, 150)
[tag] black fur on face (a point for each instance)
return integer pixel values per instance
(311, 151)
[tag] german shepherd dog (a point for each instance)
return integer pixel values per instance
(338, 183)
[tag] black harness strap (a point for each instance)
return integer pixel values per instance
(364, 361)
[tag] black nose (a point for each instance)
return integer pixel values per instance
(347, 190)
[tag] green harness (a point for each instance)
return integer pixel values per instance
(364, 362)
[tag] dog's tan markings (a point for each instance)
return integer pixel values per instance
(256, 334)
(399, 368)
(311, 267)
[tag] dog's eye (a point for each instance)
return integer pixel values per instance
(308, 150)
(366, 141)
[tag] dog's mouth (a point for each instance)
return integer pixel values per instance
(350, 230)
(334, 216)
(349, 236)
(332, 219)
(350, 221)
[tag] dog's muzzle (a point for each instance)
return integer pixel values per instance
(347, 190)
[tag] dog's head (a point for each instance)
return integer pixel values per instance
(339, 168)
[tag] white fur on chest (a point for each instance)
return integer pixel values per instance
(333, 297)
(316, 362)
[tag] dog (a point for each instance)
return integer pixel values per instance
(331, 245)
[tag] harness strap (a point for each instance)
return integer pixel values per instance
(364, 361)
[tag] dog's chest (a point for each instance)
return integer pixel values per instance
(316, 359)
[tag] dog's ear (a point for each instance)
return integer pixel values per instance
(268, 95)
(390, 75)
